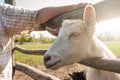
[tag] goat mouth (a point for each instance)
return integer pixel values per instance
(55, 63)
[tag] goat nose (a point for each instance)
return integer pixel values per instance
(47, 58)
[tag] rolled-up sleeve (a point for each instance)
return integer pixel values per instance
(15, 20)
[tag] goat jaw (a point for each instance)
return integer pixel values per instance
(52, 31)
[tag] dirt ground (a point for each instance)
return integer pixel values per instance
(61, 73)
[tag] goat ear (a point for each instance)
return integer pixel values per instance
(52, 31)
(89, 17)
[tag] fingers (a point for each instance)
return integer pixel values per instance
(80, 5)
(83, 4)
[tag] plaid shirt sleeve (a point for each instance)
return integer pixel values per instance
(15, 20)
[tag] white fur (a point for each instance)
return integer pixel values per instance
(76, 41)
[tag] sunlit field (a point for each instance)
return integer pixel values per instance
(114, 46)
(36, 59)
(30, 59)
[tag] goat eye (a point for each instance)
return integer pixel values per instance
(74, 35)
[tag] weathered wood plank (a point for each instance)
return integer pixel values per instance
(34, 73)
(30, 52)
(112, 65)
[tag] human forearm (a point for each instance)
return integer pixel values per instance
(48, 13)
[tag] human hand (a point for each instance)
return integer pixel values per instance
(79, 6)
(48, 13)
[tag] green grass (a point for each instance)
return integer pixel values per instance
(31, 59)
(114, 46)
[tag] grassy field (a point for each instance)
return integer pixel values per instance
(114, 46)
(31, 59)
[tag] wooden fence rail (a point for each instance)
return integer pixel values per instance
(34, 73)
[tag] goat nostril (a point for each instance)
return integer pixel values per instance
(47, 58)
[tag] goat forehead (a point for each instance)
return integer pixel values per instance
(71, 26)
(72, 22)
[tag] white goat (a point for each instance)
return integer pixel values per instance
(76, 41)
